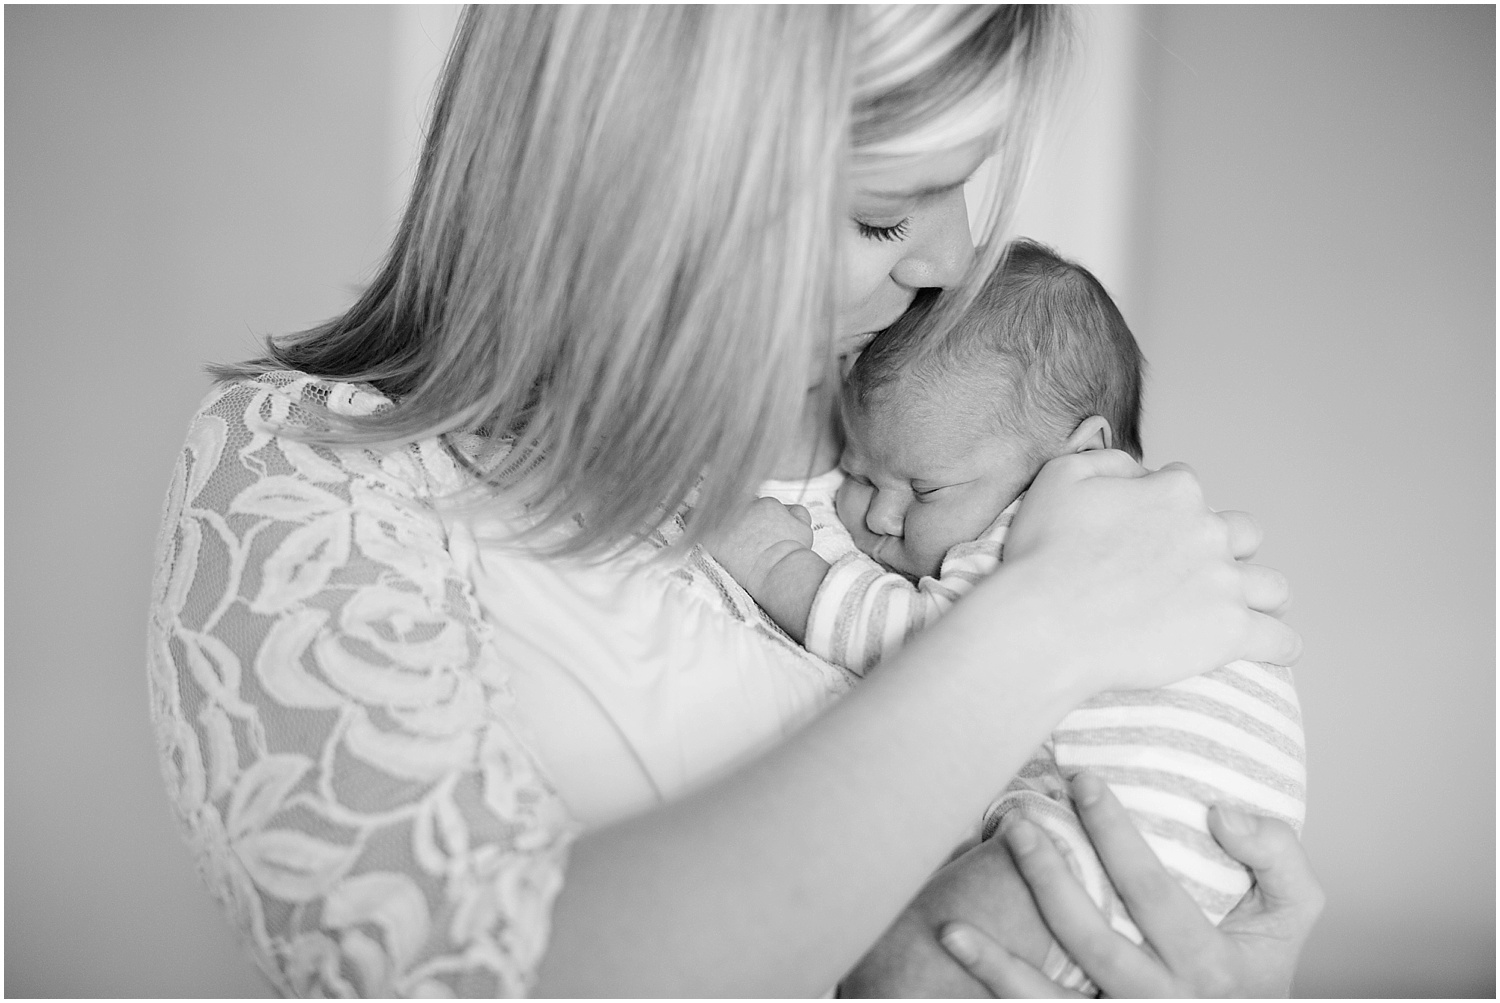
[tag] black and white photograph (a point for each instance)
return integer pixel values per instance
(750, 501)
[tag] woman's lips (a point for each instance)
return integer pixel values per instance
(850, 355)
(856, 344)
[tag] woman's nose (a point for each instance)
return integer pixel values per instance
(942, 248)
(886, 515)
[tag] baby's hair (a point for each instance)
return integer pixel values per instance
(1041, 324)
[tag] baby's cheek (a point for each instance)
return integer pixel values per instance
(849, 506)
(851, 503)
(927, 542)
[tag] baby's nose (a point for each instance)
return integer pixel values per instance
(885, 516)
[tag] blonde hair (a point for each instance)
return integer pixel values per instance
(622, 238)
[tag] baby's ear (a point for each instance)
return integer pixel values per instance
(1092, 433)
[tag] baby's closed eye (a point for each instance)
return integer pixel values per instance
(925, 490)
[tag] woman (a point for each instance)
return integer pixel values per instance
(639, 242)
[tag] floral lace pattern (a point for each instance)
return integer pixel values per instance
(336, 743)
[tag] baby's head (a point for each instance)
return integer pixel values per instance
(940, 438)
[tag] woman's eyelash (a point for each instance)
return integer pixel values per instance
(897, 232)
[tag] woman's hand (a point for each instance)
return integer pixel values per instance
(1154, 584)
(1251, 953)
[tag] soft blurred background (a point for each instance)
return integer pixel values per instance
(1295, 206)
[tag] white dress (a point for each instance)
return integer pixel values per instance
(381, 728)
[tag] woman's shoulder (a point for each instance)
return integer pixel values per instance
(322, 683)
(311, 393)
(271, 422)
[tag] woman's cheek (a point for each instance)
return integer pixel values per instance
(866, 266)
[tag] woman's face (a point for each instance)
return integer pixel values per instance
(908, 230)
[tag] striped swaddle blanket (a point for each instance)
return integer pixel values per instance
(1232, 736)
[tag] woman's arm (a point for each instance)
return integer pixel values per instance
(775, 880)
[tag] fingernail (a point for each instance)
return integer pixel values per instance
(1236, 821)
(1020, 836)
(960, 943)
(1086, 788)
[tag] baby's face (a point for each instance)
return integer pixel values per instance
(922, 478)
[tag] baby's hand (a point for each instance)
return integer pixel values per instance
(758, 540)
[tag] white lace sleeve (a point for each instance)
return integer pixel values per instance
(334, 733)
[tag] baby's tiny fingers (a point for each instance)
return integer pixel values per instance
(801, 512)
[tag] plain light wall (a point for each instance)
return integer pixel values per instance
(1316, 271)
(181, 181)
(1080, 195)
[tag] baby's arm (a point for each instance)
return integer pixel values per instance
(983, 888)
(769, 552)
(863, 613)
(853, 612)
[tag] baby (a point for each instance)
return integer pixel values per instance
(941, 442)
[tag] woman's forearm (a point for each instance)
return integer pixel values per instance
(776, 880)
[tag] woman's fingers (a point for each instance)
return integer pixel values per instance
(1093, 463)
(1186, 468)
(1266, 589)
(1002, 973)
(1270, 640)
(1245, 535)
(1116, 965)
(1161, 578)
(1284, 881)
(1172, 922)
(1270, 925)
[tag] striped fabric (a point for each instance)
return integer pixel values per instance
(862, 613)
(1232, 736)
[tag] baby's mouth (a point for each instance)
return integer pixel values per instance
(877, 554)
